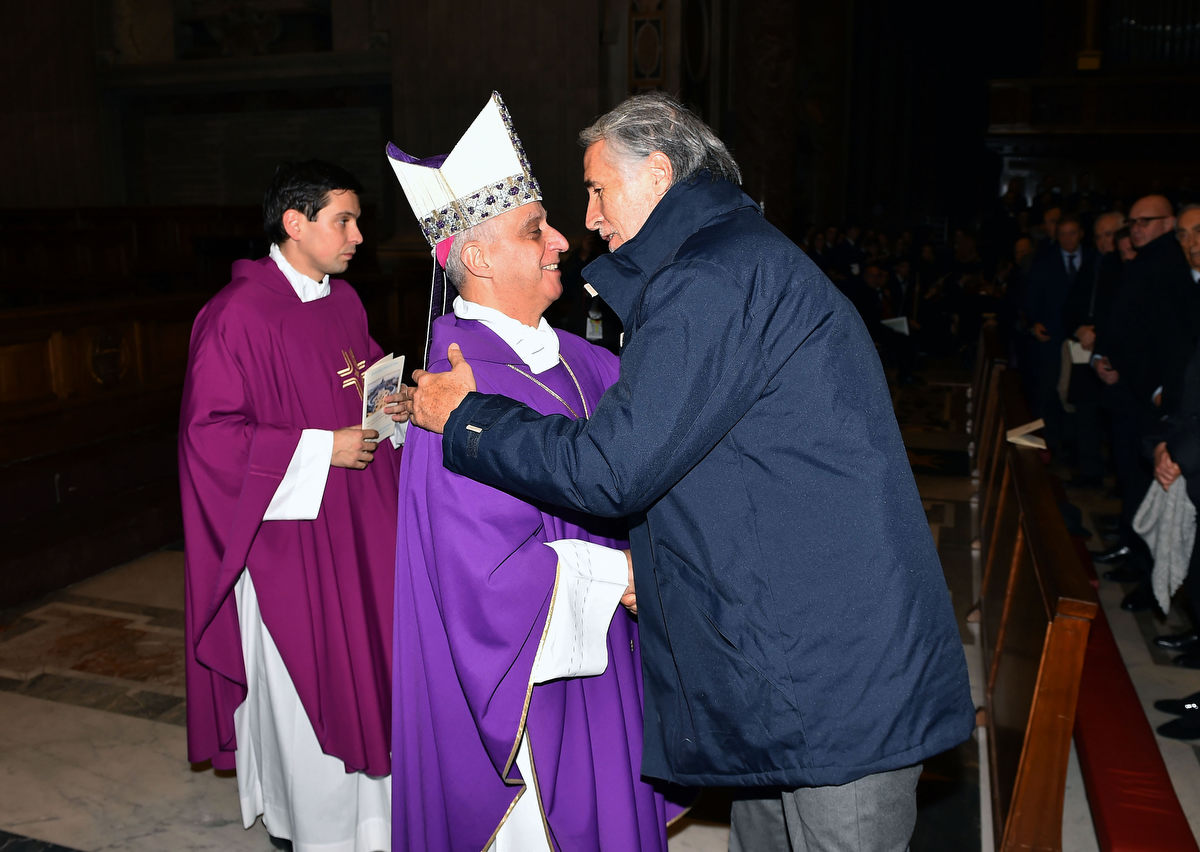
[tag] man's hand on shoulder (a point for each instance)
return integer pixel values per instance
(436, 395)
(353, 447)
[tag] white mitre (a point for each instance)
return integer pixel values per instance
(485, 175)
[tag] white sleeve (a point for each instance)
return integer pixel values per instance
(399, 434)
(591, 580)
(298, 497)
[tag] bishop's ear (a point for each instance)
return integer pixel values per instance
(475, 258)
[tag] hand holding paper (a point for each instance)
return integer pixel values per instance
(381, 383)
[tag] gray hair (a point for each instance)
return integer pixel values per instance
(654, 121)
(456, 271)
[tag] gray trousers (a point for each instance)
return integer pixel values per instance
(876, 813)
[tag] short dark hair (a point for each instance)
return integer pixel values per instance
(305, 187)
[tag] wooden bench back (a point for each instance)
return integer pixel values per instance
(985, 415)
(1036, 608)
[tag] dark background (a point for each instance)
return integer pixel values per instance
(880, 112)
(137, 136)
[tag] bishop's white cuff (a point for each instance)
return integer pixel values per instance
(591, 580)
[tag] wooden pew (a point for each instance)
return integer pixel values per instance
(982, 392)
(89, 409)
(1036, 607)
(986, 438)
(96, 310)
(1133, 803)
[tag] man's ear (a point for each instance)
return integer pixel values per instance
(293, 223)
(661, 172)
(475, 259)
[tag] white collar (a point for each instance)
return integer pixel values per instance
(537, 347)
(306, 288)
(1195, 275)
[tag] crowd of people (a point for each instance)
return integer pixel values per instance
(1098, 303)
(1105, 335)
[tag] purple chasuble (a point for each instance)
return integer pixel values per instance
(262, 366)
(474, 583)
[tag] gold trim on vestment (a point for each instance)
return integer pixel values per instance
(522, 732)
(565, 404)
(503, 819)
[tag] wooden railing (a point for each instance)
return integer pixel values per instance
(1035, 611)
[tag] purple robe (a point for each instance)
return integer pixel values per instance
(262, 366)
(474, 581)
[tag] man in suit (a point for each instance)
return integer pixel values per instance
(1054, 272)
(1090, 297)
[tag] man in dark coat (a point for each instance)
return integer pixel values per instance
(1141, 353)
(796, 628)
(1054, 273)
(1176, 443)
(1089, 299)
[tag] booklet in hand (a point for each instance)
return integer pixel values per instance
(381, 378)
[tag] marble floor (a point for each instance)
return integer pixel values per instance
(92, 743)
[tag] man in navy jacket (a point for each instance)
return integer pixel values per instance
(796, 627)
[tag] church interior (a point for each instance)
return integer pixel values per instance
(140, 135)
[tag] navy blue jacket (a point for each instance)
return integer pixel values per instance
(795, 622)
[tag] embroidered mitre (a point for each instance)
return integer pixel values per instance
(486, 174)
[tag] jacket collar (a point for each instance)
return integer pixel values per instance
(686, 208)
(1161, 245)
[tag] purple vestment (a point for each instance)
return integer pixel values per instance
(263, 366)
(474, 582)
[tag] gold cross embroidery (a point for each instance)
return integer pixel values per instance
(352, 375)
